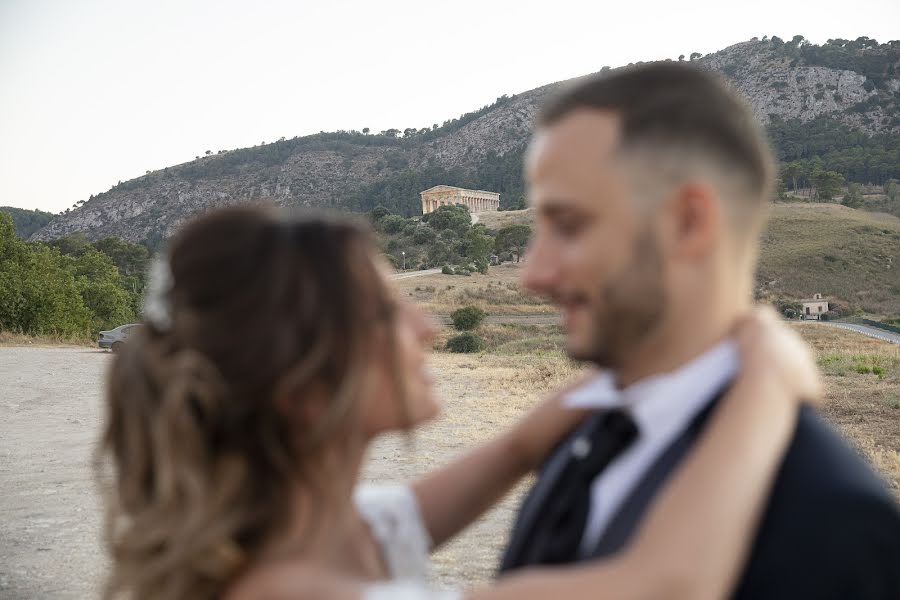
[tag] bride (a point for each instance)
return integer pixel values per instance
(276, 350)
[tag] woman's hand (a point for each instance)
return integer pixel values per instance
(772, 352)
(538, 433)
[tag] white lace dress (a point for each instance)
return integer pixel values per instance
(393, 514)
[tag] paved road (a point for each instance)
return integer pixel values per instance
(874, 332)
(409, 274)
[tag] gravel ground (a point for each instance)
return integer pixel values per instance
(50, 412)
(49, 513)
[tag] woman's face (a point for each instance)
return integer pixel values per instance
(413, 333)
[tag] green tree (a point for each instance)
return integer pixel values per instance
(478, 245)
(70, 244)
(854, 197)
(513, 238)
(424, 235)
(455, 218)
(828, 184)
(392, 224)
(892, 190)
(38, 294)
(780, 190)
(27, 221)
(791, 172)
(130, 259)
(439, 254)
(102, 289)
(378, 213)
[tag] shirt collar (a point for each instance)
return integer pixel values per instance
(696, 380)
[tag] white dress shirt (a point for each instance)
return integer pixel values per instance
(662, 407)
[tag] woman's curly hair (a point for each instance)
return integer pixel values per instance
(196, 459)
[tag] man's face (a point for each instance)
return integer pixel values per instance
(594, 252)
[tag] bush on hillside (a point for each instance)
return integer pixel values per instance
(447, 270)
(467, 318)
(392, 224)
(465, 343)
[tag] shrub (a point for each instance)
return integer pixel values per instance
(424, 235)
(467, 317)
(392, 224)
(447, 270)
(465, 343)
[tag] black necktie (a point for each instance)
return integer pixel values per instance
(556, 536)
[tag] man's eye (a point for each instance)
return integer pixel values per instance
(567, 227)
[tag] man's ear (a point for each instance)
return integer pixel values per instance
(695, 220)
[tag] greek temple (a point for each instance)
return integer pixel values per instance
(447, 195)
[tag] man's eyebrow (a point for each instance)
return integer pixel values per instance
(556, 207)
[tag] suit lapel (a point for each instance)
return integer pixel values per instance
(529, 513)
(633, 510)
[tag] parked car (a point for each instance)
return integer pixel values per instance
(115, 338)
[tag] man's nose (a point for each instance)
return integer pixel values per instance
(540, 272)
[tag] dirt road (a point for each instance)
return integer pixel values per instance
(50, 412)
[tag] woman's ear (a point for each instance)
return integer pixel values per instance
(304, 407)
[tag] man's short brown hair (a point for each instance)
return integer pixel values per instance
(676, 106)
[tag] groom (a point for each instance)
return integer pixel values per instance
(650, 189)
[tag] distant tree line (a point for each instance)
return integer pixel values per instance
(864, 55)
(824, 155)
(26, 221)
(68, 287)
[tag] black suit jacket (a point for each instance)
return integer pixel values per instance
(831, 529)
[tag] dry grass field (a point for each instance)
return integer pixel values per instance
(498, 292)
(862, 393)
(848, 255)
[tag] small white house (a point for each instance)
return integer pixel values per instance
(815, 307)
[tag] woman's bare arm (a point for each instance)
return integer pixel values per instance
(453, 496)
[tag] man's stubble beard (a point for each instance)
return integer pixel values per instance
(632, 307)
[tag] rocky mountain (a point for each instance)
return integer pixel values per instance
(842, 87)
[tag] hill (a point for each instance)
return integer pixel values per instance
(846, 254)
(828, 108)
(27, 222)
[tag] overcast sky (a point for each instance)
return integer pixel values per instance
(93, 92)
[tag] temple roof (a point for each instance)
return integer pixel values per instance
(453, 187)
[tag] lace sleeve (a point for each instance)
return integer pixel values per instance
(393, 514)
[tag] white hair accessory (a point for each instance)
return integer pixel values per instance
(158, 299)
